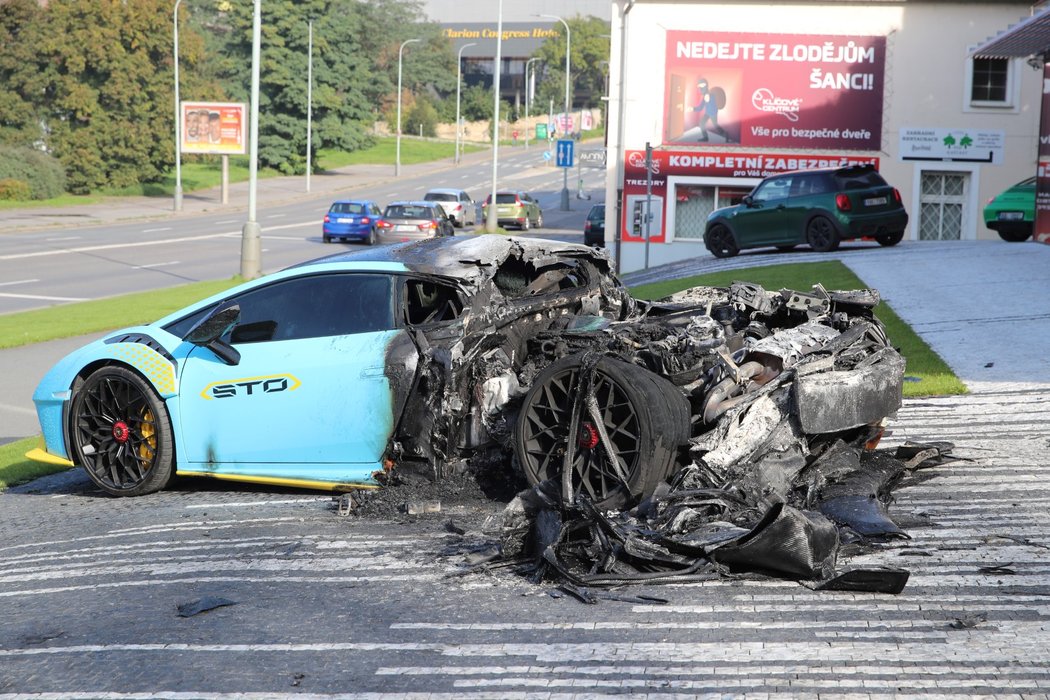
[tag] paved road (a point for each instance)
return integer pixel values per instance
(334, 607)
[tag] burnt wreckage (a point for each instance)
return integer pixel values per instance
(716, 430)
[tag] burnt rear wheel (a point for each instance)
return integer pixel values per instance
(120, 433)
(617, 426)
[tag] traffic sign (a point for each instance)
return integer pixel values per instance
(541, 131)
(546, 155)
(565, 152)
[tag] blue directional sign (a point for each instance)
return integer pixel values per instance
(565, 152)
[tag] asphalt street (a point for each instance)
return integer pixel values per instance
(325, 606)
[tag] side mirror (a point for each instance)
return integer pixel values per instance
(748, 201)
(208, 333)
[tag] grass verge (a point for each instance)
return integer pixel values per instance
(15, 469)
(926, 374)
(97, 316)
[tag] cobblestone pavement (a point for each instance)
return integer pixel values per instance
(336, 607)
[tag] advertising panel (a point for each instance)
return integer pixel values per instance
(214, 127)
(1041, 230)
(805, 91)
(721, 164)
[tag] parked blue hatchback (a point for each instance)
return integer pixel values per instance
(352, 220)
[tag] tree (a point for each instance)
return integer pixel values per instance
(588, 58)
(18, 123)
(97, 80)
(354, 77)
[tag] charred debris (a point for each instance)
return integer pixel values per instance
(716, 432)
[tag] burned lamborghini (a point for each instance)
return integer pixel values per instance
(447, 354)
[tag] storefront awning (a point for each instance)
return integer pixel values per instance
(1030, 37)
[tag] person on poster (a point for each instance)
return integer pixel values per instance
(710, 101)
(214, 128)
(192, 126)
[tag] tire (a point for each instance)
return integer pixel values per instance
(1015, 236)
(539, 220)
(325, 238)
(720, 241)
(121, 434)
(526, 224)
(821, 235)
(646, 419)
(371, 237)
(889, 239)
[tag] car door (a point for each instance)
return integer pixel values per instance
(310, 398)
(764, 222)
(470, 213)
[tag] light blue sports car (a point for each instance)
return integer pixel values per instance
(452, 354)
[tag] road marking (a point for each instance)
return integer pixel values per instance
(275, 216)
(248, 504)
(163, 264)
(154, 230)
(64, 238)
(40, 297)
(17, 409)
(164, 241)
(226, 221)
(8, 284)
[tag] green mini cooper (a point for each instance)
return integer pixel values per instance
(818, 207)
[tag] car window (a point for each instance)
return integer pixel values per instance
(862, 180)
(430, 302)
(306, 307)
(777, 188)
(439, 197)
(506, 198)
(408, 211)
(347, 208)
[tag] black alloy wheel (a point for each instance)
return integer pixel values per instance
(720, 242)
(821, 234)
(619, 432)
(121, 434)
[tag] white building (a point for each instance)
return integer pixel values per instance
(807, 84)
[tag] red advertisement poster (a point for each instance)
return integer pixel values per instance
(807, 91)
(720, 164)
(214, 127)
(1041, 232)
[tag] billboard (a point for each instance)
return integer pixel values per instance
(806, 91)
(1041, 230)
(719, 164)
(213, 127)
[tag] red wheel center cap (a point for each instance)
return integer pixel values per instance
(121, 431)
(588, 436)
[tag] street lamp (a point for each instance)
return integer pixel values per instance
(309, 99)
(565, 171)
(178, 125)
(528, 87)
(251, 234)
(459, 80)
(492, 216)
(397, 158)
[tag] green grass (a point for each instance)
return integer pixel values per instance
(203, 173)
(15, 469)
(101, 315)
(927, 373)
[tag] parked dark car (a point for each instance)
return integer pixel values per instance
(594, 226)
(818, 207)
(1011, 213)
(351, 220)
(412, 221)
